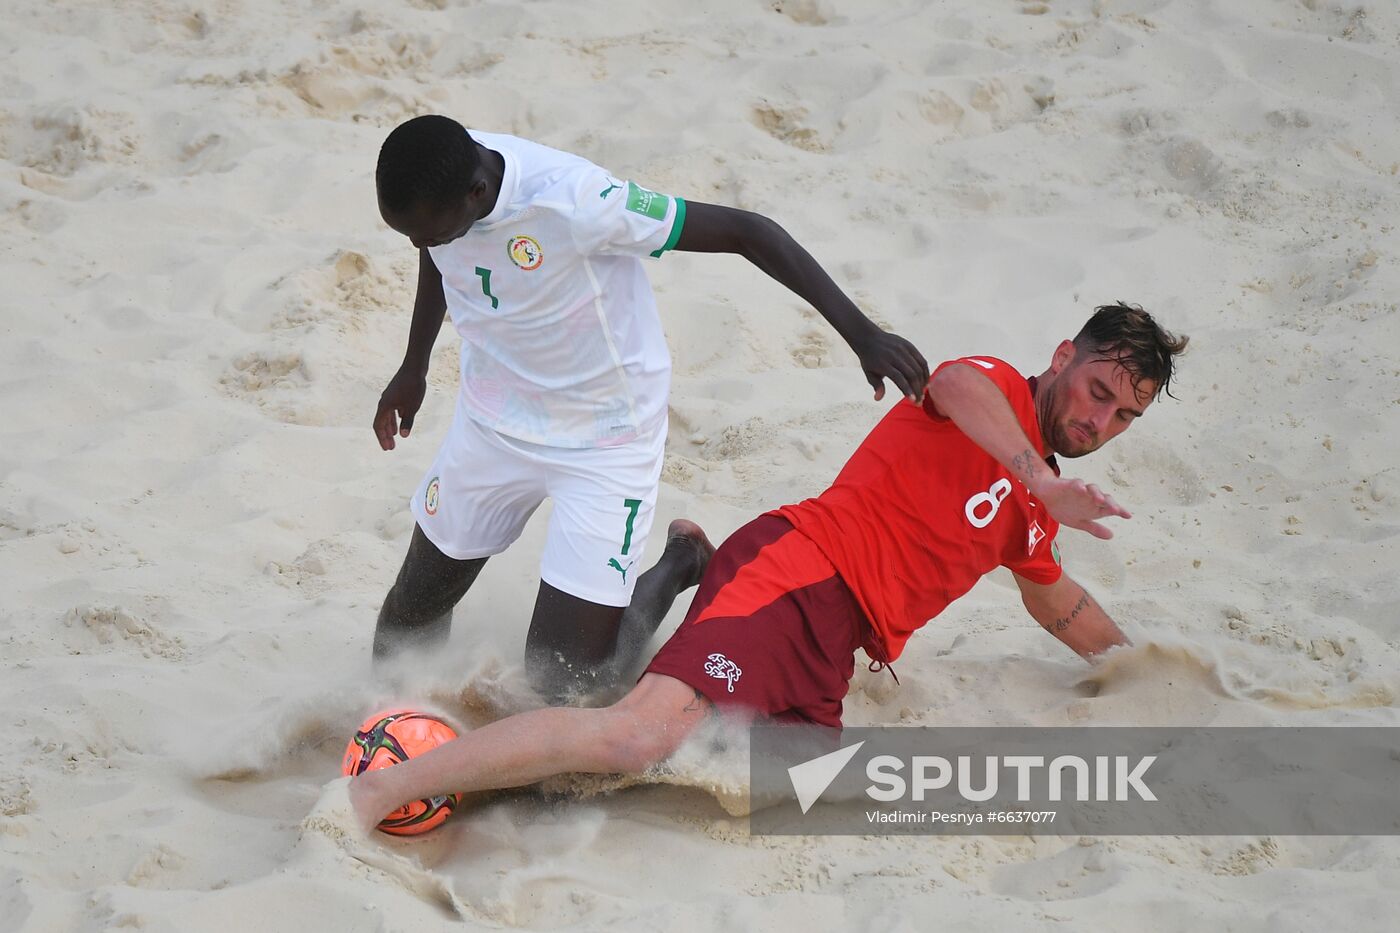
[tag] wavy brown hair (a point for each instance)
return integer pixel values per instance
(1127, 334)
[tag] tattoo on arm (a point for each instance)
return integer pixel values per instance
(698, 703)
(1063, 622)
(1024, 464)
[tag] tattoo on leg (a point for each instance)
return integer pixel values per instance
(1063, 622)
(696, 704)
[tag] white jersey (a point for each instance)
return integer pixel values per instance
(561, 342)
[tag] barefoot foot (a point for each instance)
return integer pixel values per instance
(689, 539)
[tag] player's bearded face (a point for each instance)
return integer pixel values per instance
(1090, 401)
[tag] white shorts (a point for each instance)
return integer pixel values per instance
(483, 487)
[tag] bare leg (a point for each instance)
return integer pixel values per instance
(577, 648)
(417, 612)
(569, 645)
(687, 554)
(643, 728)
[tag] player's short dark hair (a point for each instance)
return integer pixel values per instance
(1129, 335)
(429, 159)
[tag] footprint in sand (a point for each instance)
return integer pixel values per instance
(14, 525)
(1140, 120)
(786, 123)
(42, 217)
(343, 292)
(15, 796)
(275, 382)
(680, 473)
(805, 12)
(1320, 280)
(258, 371)
(1250, 859)
(211, 151)
(308, 572)
(332, 94)
(353, 81)
(343, 83)
(813, 350)
(109, 627)
(815, 104)
(361, 285)
(1288, 118)
(736, 441)
(992, 104)
(153, 868)
(1192, 165)
(64, 140)
(939, 109)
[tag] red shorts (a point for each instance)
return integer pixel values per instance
(773, 629)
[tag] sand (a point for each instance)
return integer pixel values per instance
(201, 306)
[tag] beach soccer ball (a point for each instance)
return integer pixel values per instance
(393, 736)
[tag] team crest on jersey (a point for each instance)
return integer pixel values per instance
(525, 252)
(430, 497)
(721, 668)
(1034, 537)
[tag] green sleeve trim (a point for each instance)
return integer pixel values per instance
(676, 228)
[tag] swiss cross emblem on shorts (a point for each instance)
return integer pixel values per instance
(1034, 537)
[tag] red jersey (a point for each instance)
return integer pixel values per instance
(920, 513)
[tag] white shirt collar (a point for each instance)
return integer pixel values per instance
(510, 180)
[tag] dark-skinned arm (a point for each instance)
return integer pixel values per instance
(404, 395)
(1066, 610)
(980, 410)
(711, 228)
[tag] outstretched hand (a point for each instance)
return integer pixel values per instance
(889, 356)
(398, 405)
(1077, 504)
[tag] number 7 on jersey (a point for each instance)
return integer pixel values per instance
(485, 275)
